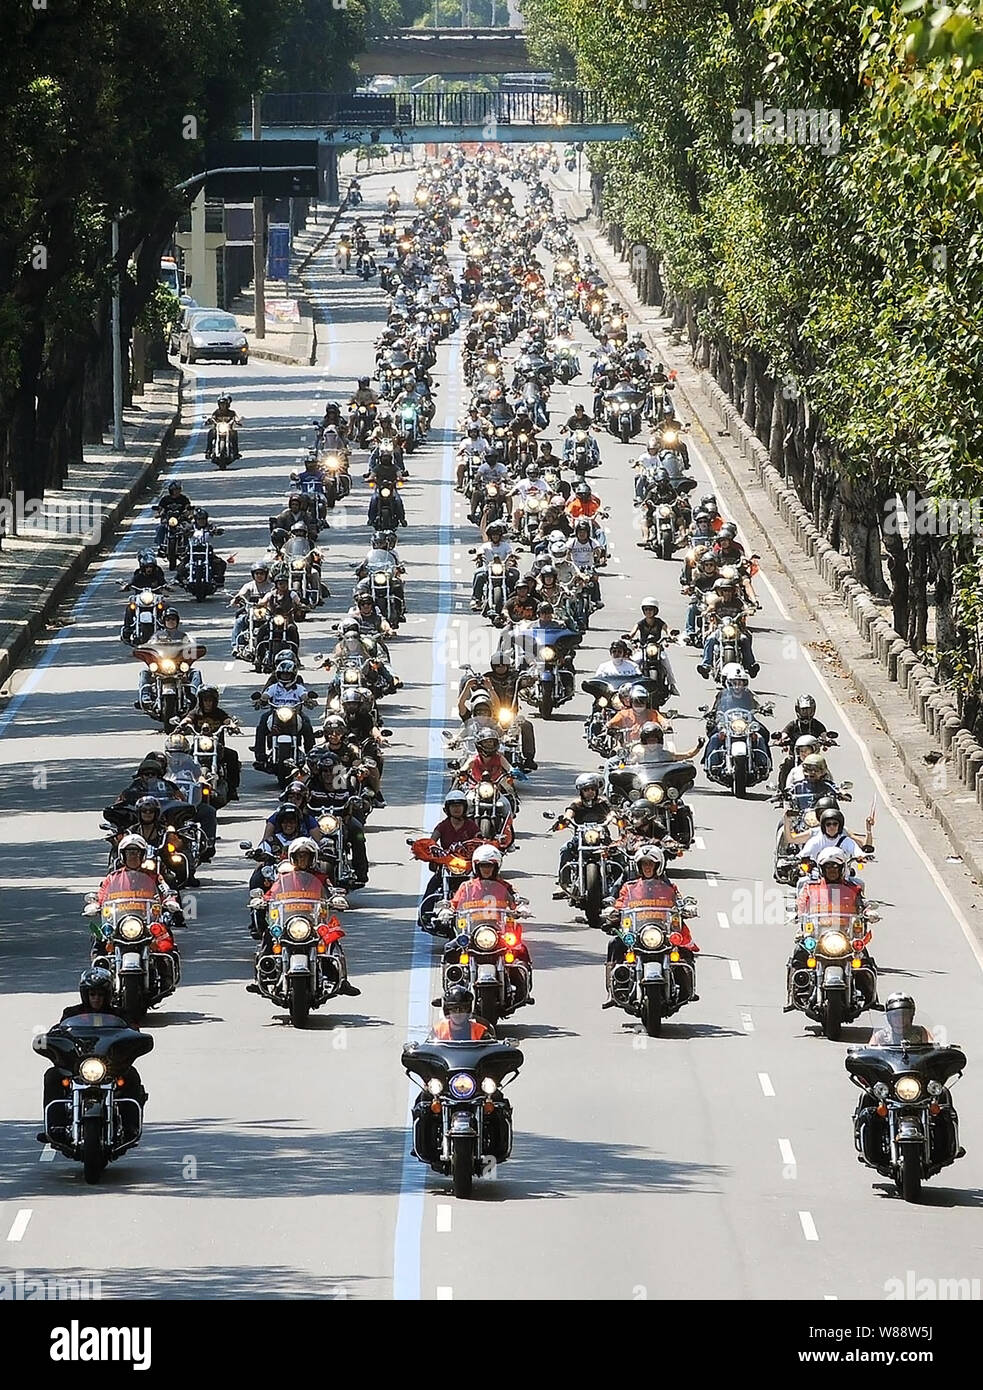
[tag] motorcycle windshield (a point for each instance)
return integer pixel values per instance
(183, 765)
(924, 1060)
(297, 548)
(96, 1035)
(435, 1060)
(489, 913)
(378, 560)
(733, 701)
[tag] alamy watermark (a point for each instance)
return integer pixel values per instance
(20, 1286)
(933, 516)
(78, 517)
(941, 1290)
(776, 125)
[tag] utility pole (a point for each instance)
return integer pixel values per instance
(259, 229)
(118, 444)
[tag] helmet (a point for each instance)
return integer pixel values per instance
(587, 781)
(805, 707)
(300, 845)
(146, 557)
(639, 695)
(210, 690)
(651, 733)
(709, 562)
(807, 741)
(455, 798)
(174, 485)
(533, 470)
(486, 854)
(816, 764)
(350, 625)
(363, 383)
(708, 503)
(133, 841)
(582, 489)
(582, 525)
(829, 813)
(292, 790)
(650, 603)
(498, 526)
(334, 724)
(488, 742)
(480, 697)
(652, 853)
(299, 528)
(170, 613)
(457, 999)
(260, 567)
(723, 585)
(732, 670)
(640, 810)
(727, 532)
(618, 647)
(95, 979)
(832, 855)
(146, 803)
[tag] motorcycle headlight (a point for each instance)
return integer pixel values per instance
(652, 938)
(328, 824)
(279, 620)
(206, 745)
(285, 713)
(498, 568)
(146, 596)
(486, 938)
(351, 678)
(489, 1085)
(131, 929)
(435, 1086)
(739, 726)
(184, 666)
(299, 564)
(261, 614)
(380, 580)
(299, 929)
(548, 653)
(93, 1070)
(665, 512)
(592, 837)
(730, 631)
(463, 1086)
(652, 649)
(168, 666)
(486, 791)
(907, 1088)
(603, 702)
(834, 943)
(504, 716)
(670, 437)
(654, 793)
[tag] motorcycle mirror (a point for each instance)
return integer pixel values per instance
(873, 917)
(245, 844)
(831, 734)
(339, 903)
(845, 786)
(104, 825)
(386, 733)
(92, 897)
(90, 910)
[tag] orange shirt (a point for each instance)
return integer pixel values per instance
(452, 1030)
(129, 883)
(577, 508)
(492, 892)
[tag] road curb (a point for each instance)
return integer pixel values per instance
(932, 722)
(27, 632)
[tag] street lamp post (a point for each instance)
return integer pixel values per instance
(118, 443)
(259, 229)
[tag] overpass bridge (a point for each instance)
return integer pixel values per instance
(446, 52)
(418, 118)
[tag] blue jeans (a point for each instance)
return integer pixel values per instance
(747, 655)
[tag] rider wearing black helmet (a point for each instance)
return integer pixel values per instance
(223, 411)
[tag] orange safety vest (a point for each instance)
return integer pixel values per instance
(449, 1030)
(129, 883)
(833, 898)
(483, 892)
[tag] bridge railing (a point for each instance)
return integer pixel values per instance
(467, 108)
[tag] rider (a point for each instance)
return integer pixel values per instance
(805, 722)
(620, 663)
(728, 605)
(458, 1025)
(652, 888)
(252, 592)
(286, 685)
(588, 807)
(223, 411)
(495, 548)
(208, 716)
(628, 722)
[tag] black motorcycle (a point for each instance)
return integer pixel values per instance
(905, 1125)
(93, 1051)
(594, 872)
(655, 978)
(462, 1124)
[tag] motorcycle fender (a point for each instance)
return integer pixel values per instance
(299, 964)
(833, 978)
(652, 970)
(487, 974)
(462, 1122)
(738, 749)
(93, 1109)
(132, 964)
(283, 739)
(547, 677)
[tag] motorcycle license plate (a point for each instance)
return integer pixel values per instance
(299, 964)
(132, 964)
(738, 749)
(653, 970)
(285, 740)
(487, 975)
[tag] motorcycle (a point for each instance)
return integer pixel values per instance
(597, 871)
(466, 1129)
(604, 693)
(93, 1050)
(742, 758)
(284, 750)
(169, 664)
(305, 569)
(799, 819)
(552, 682)
(385, 519)
(143, 616)
(133, 940)
(199, 563)
(455, 867)
(274, 633)
(304, 965)
(663, 785)
(482, 956)
(838, 981)
(223, 452)
(387, 600)
(491, 809)
(906, 1088)
(654, 981)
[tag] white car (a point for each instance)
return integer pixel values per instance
(212, 334)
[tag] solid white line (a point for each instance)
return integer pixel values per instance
(831, 1297)
(711, 882)
(766, 1085)
(723, 923)
(444, 1292)
(785, 1149)
(444, 1217)
(20, 1224)
(735, 970)
(808, 1226)
(230, 665)
(747, 1023)
(699, 842)
(47, 1154)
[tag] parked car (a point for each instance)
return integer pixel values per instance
(213, 335)
(187, 305)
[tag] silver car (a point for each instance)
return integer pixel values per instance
(189, 306)
(212, 335)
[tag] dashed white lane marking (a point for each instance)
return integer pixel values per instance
(764, 1081)
(699, 842)
(230, 665)
(788, 1157)
(735, 970)
(724, 924)
(711, 882)
(747, 1023)
(808, 1226)
(444, 1217)
(444, 1292)
(20, 1225)
(47, 1154)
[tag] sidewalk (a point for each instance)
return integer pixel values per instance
(852, 635)
(39, 567)
(290, 343)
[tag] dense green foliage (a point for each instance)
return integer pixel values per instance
(832, 282)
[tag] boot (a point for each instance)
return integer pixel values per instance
(610, 1002)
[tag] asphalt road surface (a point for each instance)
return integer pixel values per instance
(714, 1162)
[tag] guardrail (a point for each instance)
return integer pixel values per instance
(467, 108)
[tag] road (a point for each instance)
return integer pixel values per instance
(715, 1162)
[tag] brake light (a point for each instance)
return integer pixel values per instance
(675, 938)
